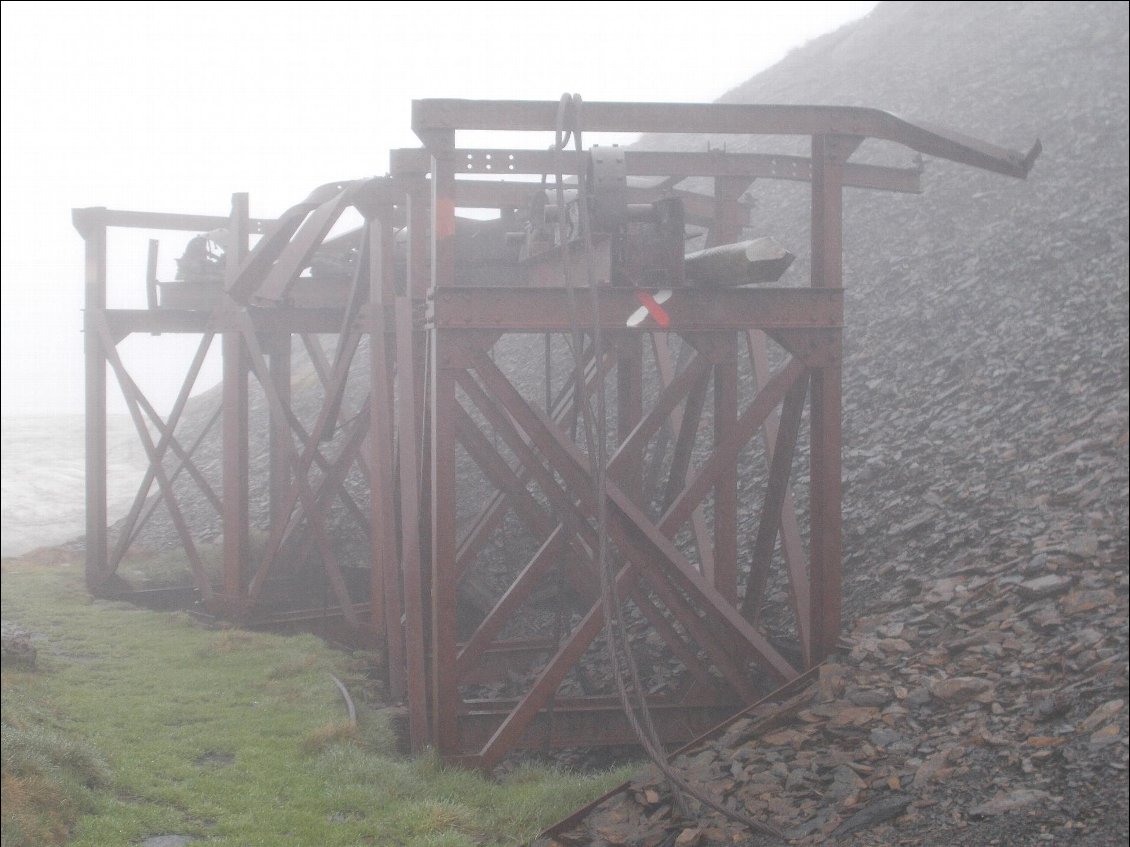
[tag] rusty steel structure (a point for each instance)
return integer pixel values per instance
(473, 470)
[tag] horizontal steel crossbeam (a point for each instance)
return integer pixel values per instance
(690, 309)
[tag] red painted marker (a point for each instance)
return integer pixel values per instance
(650, 306)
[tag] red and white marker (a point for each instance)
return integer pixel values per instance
(650, 305)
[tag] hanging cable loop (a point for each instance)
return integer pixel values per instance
(569, 123)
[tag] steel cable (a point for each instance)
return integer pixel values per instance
(615, 628)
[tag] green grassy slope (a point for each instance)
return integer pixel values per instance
(138, 723)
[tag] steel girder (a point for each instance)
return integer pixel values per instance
(694, 546)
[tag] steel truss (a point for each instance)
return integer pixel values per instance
(444, 419)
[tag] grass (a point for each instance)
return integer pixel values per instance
(139, 723)
(48, 777)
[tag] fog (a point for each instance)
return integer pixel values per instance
(175, 106)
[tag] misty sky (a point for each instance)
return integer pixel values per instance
(175, 106)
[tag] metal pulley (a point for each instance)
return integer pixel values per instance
(543, 215)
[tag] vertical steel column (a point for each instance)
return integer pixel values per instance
(279, 469)
(419, 205)
(384, 583)
(728, 217)
(728, 222)
(419, 280)
(726, 489)
(236, 470)
(91, 225)
(445, 689)
(411, 572)
(629, 410)
(828, 156)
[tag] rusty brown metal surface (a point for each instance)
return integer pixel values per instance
(547, 310)
(410, 501)
(691, 579)
(431, 118)
(599, 721)
(714, 163)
